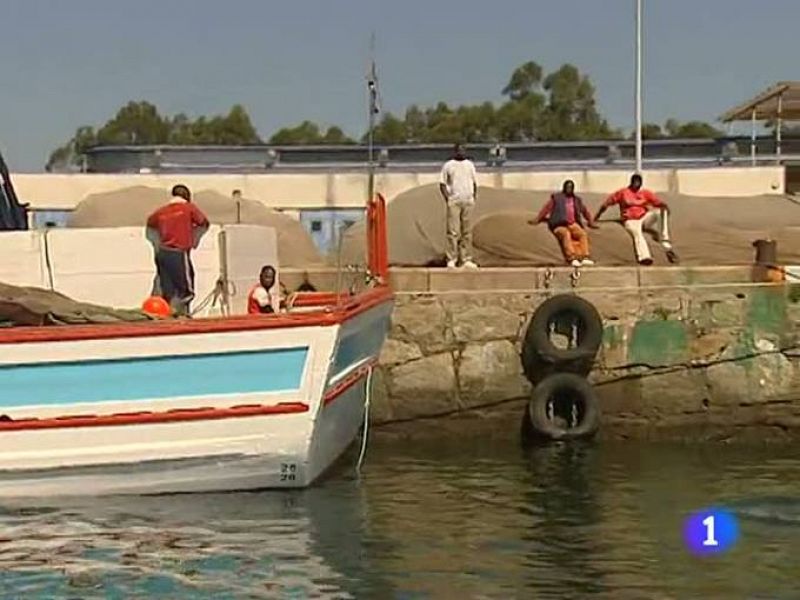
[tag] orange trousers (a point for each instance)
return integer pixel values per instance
(574, 241)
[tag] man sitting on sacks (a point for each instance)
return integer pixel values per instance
(563, 216)
(634, 204)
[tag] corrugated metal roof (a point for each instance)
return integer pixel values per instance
(784, 94)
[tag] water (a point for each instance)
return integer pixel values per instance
(459, 520)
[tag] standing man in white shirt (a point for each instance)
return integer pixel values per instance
(459, 188)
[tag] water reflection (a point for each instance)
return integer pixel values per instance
(439, 520)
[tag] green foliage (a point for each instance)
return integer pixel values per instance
(651, 131)
(692, 129)
(309, 133)
(139, 123)
(560, 105)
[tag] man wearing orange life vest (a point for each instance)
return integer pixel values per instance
(261, 300)
(634, 202)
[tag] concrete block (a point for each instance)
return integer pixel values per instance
(479, 324)
(490, 373)
(675, 393)
(602, 277)
(731, 181)
(728, 384)
(424, 322)
(663, 276)
(380, 409)
(410, 280)
(395, 353)
(22, 261)
(698, 276)
(623, 306)
(444, 280)
(423, 387)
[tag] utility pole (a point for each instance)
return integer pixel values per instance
(638, 92)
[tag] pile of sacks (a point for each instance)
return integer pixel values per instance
(704, 231)
(130, 207)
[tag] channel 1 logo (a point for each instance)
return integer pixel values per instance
(710, 531)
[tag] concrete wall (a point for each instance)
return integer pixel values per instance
(115, 267)
(688, 352)
(348, 190)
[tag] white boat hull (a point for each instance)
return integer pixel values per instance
(251, 408)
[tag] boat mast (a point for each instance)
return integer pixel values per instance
(374, 109)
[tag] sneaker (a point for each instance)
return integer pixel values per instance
(451, 264)
(470, 265)
(587, 262)
(576, 263)
(672, 257)
(646, 262)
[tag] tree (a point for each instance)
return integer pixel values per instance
(335, 135)
(70, 154)
(135, 123)
(650, 131)
(139, 123)
(304, 133)
(416, 124)
(525, 80)
(390, 130)
(235, 128)
(520, 121)
(571, 112)
(692, 129)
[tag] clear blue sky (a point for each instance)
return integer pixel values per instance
(68, 63)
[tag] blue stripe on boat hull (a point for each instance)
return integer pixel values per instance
(55, 384)
(363, 340)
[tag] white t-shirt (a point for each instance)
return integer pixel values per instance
(262, 296)
(266, 298)
(460, 177)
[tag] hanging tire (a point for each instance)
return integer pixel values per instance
(563, 407)
(566, 314)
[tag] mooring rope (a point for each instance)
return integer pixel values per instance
(367, 399)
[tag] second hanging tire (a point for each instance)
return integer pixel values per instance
(563, 406)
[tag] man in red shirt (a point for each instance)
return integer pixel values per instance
(260, 300)
(634, 202)
(178, 226)
(563, 214)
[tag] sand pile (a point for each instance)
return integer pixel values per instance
(705, 231)
(130, 207)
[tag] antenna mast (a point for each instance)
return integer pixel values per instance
(374, 109)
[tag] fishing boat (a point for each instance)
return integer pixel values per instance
(210, 404)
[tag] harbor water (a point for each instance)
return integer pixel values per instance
(439, 519)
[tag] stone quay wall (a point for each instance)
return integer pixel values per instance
(687, 353)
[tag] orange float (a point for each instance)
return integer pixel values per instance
(156, 306)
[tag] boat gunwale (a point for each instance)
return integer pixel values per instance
(328, 315)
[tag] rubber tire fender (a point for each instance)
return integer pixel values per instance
(556, 384)
(537, 343)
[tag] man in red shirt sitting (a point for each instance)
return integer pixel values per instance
(179, 225)
(563, 215)
(634, 202)
(260, 300)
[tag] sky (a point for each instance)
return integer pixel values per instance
(67, 64)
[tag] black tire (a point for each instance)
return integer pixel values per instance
(538, 349)
(555, 397)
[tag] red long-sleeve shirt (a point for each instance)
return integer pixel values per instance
(175, 223)
(633, 204)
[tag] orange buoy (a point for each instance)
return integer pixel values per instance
(156, 306)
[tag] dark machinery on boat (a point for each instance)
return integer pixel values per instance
(13, 214)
